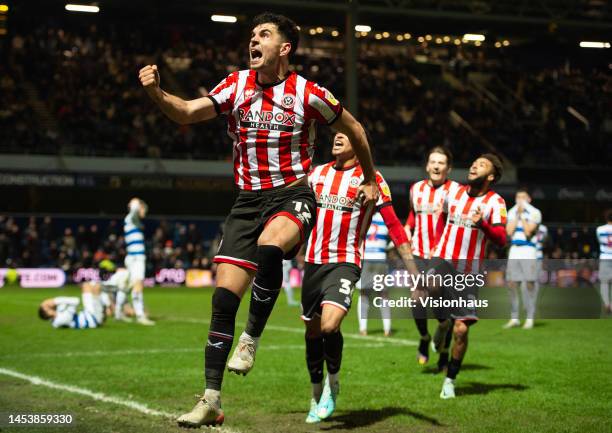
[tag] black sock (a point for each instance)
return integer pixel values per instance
(266, 287)
(220, 336)
(443, 361)
(333, 344)
(453, 368)
(421, 325)
(449, 336)
(315, 358)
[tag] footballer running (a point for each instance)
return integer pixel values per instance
(272, 114)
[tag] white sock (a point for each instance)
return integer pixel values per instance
(105, 299)
(387, 326)
(362, 310)
(289, 293)
(529, 299)
(119, 301)
(605, 293)
(138, 303)
(385, 312)
(213, 397)
(317, 390)
(514, 301)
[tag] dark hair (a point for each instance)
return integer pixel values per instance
(42, 313)
(523, 189)
(286, 27)
(444, 151)
(608, 215)
(498, 166)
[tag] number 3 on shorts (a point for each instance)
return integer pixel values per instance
(345, 286)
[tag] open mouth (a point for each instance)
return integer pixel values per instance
(256, 54)
(338, 143)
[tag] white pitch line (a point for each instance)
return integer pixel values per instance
(35, 380)
(131, 404)
(391, 340)
(96, 353)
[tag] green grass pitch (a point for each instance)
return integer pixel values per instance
(554, 378)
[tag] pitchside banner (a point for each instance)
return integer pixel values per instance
(556, 289)
(34, 277)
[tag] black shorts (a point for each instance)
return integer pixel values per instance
(253, 210)
(332, 283)
(461, 312)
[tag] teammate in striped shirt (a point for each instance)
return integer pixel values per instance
(333, 264)
(272, 114)
(523, 222)
(426, 223)
(135, 262)
(62, 310)
(475, 215)
(604, 237)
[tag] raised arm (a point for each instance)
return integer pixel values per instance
(177, 109)
(349, 126)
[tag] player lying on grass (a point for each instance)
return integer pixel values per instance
(426, 223)
(475, 215)
(62, 310)
(272, 114)
(333, 264)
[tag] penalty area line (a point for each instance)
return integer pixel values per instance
(99, 396)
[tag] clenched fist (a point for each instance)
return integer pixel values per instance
(149, 78)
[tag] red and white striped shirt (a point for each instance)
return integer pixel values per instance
(426, 202)
(272, 126)
(462, 240)
(342, 223)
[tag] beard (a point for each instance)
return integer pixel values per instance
(478, 182)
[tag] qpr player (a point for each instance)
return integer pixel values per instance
(272, 114)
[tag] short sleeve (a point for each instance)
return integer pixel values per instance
(322, 105)
(498, 215)
(385, 192)
(536, 218)
(223, 94)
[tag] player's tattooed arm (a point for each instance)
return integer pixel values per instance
(405, 252)
(177, 109)
(349, 126)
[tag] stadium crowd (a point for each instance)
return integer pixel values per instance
(48, 242)
(86, 77)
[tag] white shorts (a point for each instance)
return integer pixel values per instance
(135, 265)
(522, 270)
(605, 270)
(120, 280)
(93, 305)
